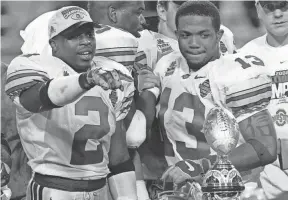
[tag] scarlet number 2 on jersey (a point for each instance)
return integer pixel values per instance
(185, 100)
(79, 155)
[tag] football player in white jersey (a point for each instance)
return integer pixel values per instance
(186, 97)
(273, 48)
(70, 111)
(156, 45)
(117, 40)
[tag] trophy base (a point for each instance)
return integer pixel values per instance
(222, 182)
(211, 196)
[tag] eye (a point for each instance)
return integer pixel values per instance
(91, 34)
(183, 35)
(205, 35)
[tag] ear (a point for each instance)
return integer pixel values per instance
(162, 12)
(112, 14)
(54, 46)
(219, 35)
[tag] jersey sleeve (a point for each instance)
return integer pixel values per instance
(117, 45)
(242, 84)
(23, 73)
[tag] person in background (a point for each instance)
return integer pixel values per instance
(117, 39)
(273, 48)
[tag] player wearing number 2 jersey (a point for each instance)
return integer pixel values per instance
(70, 110)
(190, 89)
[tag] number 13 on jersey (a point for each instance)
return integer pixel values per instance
(186, 151)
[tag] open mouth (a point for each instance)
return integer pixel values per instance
(86, 55)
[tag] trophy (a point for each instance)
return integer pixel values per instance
(222, 181)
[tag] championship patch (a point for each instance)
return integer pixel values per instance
(205, 88)
(164, 47)
(113, 97)
(171, 69)
(75, 13)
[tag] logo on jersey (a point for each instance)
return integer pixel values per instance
(164, 47)
(171, 69)
(198, 77)
(185, 76)
(223, 47)
(205, 88)
(281, 118)
(280, 85)
(113, 97)
(65, 73)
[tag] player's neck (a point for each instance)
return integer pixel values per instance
(164, 30)
(276, 41)
(195, 68)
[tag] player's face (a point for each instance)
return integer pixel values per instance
(198, 40)
(167, 16)
(77, 51)
(131, 19)
(274, 15)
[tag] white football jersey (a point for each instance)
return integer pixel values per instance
(156, 45)
(187, 98)
(273, 179)
(72, 141)
(118, 45)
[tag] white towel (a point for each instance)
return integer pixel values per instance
(35, 36)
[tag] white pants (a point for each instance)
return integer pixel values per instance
(37, 192)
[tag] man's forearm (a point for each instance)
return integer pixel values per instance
(260, 147)
(146, 103)
(55, 93)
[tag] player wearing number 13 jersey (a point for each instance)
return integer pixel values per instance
(69, 114)
(190, 88)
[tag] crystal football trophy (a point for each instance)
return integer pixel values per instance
(222, 181)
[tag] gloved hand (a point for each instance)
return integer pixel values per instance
(145, 78)
(188, 170)
(103, 78)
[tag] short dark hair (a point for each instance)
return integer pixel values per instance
(200, 8)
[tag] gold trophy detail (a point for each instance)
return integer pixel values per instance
(222, 181)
